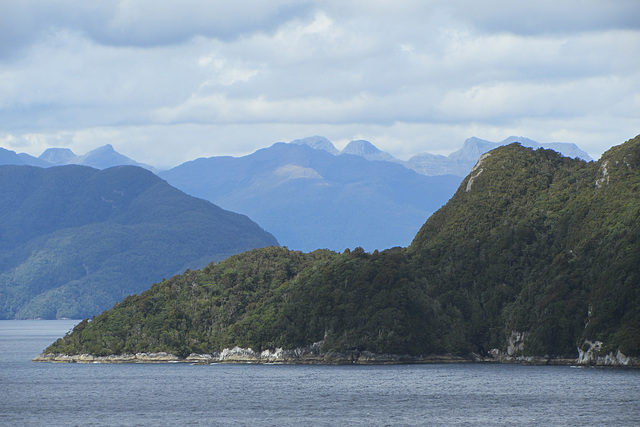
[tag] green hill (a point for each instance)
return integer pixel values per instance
(535, 255)
(75, 240)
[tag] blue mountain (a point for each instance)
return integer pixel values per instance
(462, 161)
(75, 240)
(310, 199)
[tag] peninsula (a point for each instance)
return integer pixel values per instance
(533, 260)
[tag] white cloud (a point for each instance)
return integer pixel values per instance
(411, 75)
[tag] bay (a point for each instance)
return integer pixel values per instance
(241, 394)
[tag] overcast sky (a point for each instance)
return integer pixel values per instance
(169, 81)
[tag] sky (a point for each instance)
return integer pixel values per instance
(169, 81)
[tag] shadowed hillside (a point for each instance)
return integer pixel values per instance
(74, 240)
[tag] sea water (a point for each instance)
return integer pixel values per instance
(38, 394)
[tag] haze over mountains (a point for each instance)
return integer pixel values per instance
(458, 163)
(75, 240)
(310, 199)
(311, 195)
(100, 158)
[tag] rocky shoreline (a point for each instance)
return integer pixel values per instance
(312, 355)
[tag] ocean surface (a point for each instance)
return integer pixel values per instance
(38, 394)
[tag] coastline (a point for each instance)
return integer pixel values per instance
(312, 355)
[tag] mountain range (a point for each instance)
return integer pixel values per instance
(320, 198)
(100, 158)
(74, 240)
(310, 199)
(460, 162)
(457, 163)
(534, 259)
(326, 198)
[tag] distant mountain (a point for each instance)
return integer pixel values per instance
(367, 150)
(100, 158)
(460, 162)
(310, 199)
(358, 147)
(32, 161)
(58, 156)
(317, 142)
(74, 240)
(8, 157)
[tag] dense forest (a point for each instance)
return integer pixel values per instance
(532, 243)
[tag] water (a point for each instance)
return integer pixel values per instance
(226, 394)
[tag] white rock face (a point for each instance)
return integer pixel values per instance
(515, 343)
(605, 175)
(593, 356)
(478, 164)
(271, 355)
(585, 357)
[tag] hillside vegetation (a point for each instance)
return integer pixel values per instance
(74, 240)
(532, 244)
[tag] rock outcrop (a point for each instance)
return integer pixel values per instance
(312, 355)
(591, 354)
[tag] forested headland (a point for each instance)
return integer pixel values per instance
(535, 255)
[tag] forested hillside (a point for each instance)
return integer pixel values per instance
(74, 240)
(536, 254)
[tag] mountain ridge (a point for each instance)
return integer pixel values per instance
(102, 157)
(75, 240)
(309, 198)
(457, 163)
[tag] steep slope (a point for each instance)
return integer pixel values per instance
(544, 257)
(74, 240)
(535, 255)
(311, 199)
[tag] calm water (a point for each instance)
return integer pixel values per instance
(223, 394)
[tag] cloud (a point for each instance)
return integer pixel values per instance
(545, 17)
(408, 73)
(140, 23)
